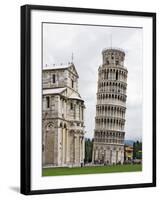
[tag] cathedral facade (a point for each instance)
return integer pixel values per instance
(62, 117)
(109, 134)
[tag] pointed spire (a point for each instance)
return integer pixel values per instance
(72, 57)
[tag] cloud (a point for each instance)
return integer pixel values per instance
(87, 43)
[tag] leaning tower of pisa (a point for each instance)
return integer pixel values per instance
(108, 145)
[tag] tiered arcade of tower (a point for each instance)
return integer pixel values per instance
(108, 146)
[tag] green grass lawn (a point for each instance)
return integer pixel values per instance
(90, 170)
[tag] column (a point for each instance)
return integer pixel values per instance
(61, 159)
(79, 148)
(93, 155)
(96, 155)
(66, 149)
(75, 149)
(64, 138)
(83, 148)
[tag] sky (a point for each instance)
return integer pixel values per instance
(86, 43)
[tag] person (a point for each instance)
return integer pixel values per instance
(81, 163)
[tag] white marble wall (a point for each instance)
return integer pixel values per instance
(66, 146)
(110, 109)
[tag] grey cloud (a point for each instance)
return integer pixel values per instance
(87, 42)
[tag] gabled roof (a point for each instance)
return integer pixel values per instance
(75, 96)
(70, 67)
(53, 91)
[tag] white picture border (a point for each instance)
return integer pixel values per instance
(43, 183)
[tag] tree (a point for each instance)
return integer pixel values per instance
(88, 150)
(137, 150)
